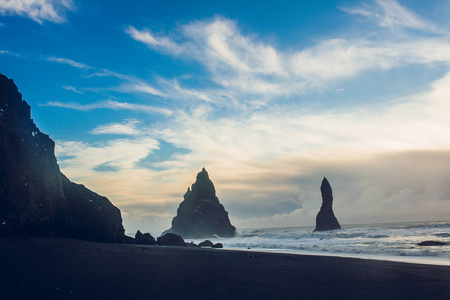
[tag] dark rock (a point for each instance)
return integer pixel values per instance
(144, 239)
(218, 245)
(191, 244)
(171, 239)
(200, 214)
(206, 243)
(432, 243)
(128, 240)
(325, 219)
(35, 197)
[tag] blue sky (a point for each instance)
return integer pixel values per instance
(268, 96)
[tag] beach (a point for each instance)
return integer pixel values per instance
(51, 268)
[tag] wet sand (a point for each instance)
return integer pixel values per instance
(44, 268)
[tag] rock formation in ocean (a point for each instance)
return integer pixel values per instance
(200, 214)
(325, 219)
(432, 243)
(35, 197)
(171, 239)
(144, 238)
(206, 243)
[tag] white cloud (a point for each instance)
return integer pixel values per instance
(396, 15)
(140, 87)
(68, 62)
(390, 14)
(152, 41)
(6, 52)
(120, 153)
(127, 128)
(109, 73)
(110, 104)
(72, 89)
(246, 65)
(38, 10)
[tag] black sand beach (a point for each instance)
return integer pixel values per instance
(44, 268)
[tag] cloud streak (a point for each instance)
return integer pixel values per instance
(392, 15)
(38, 10)
(126, 128)
(69, 62)
(110, 104)
(247, 65)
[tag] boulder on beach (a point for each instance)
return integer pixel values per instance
(144, 238)
(325, 219)
(217, 245)
(201, 215)
(191, 244)
(35, 197)
(206, 243)
(171, 239)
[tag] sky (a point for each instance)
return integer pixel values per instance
(268, 96)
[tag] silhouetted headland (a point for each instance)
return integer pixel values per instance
(35, 197)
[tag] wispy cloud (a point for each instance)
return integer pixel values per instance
(247, 65)
(72, 89)
(129, 127)
(109, 73)
(6, 52)
(69, 62)
(391, 14)
(38, 10)
(153, 41)
(120, 153)
(110, 104)
(138, 86)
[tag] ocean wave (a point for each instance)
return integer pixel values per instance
(398, 240)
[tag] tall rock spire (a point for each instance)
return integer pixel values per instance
(325, 219)
(201, 214)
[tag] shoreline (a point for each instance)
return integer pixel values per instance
(421, 260)
(46, 268)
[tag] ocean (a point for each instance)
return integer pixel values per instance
(395, 241)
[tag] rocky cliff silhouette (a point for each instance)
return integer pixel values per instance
(35, 197)
(325, 219)
(200, 214)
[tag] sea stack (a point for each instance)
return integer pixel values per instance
(35, 197)
(325, 219)
(201, 215)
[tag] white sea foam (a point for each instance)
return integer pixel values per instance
(376, 241)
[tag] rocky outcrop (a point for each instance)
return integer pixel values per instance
(171, 239)
(200, 214)
(325, 219)
(217, 246)
(144, 238)
(35, 197)
(206, 243)
(432, 243)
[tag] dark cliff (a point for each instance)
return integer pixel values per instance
(325, 219)
(35, 197)
(201, 214)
